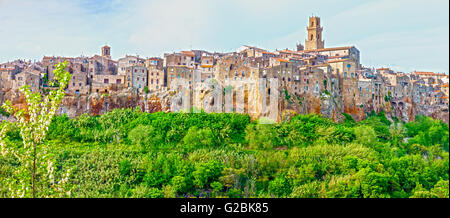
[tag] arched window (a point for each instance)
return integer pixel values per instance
(312, 36)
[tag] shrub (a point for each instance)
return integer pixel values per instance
(279, 187)
(261, 136)
(155, 193)
(144, 136)
(125, 167)
(365, 135)
(207, 172)
(3, 112)
(196, 138)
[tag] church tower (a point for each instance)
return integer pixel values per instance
(300, 47)
(106, 51)
(314, 40)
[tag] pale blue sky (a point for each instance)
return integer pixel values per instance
(405, 35)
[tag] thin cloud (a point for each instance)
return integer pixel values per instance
(400, 33)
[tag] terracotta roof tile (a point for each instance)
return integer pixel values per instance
(281, 60)
(188, 53)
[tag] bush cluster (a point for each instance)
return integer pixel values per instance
(127, 153)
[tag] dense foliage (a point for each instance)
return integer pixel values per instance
(127, 153)
(36, 165)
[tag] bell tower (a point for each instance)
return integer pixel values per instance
(314, 38)
(106, 51)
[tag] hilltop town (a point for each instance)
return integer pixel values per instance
(311, 78)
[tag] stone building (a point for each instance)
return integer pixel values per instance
(106, 52)
(236, 67)
(284, 71)
(49, 62)
(185, 58)
(345, 70)
(102, 65)
(29, 77)
(78, 84)
(372, 93)
(103, 84)
(429, 75)
(421, 92)
(314, 40)
(180, 72)
(444, 88)
(155, 71)
(287, 54)
(403, 87)
(129, 61)
(7, 75)
(389, 75)
(206, 67)
(155, 79)
(251, 51)
(314, 80)
(158, 63)
(136, 77)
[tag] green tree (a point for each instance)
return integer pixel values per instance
(33, 123)
(440, 190)
(261, 136)
(397, 132)
(280, 187)
(207, 172)
(145, 136)
(365, 135)
(196, 137)
(217, 187)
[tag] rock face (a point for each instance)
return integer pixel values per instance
(325, 104)
(95, 104)
(208, 99)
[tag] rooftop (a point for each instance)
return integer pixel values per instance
(188, 53)
(330, 49)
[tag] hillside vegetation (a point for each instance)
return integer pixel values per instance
(128, 153)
